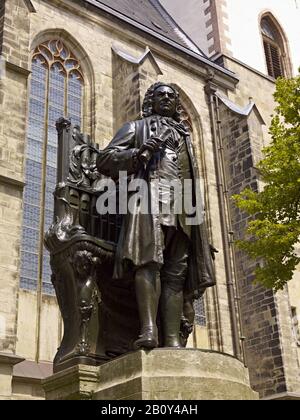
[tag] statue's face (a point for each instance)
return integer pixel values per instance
(164, 101)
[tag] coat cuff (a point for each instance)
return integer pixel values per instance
(135, 159)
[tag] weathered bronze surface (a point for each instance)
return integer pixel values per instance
(170, 259)
(126, 282)
(82, 245)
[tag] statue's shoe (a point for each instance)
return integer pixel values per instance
(147, 340)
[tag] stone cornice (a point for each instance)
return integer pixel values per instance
(17, 69)
(10, 359)
(12, 181)
(138, 61)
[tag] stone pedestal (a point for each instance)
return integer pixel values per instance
(160, 374)
(7, 363)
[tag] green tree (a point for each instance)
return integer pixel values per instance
(274, 229)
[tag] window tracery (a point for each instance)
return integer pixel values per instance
(56, 90)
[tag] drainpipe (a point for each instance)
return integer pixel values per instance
(210, 90)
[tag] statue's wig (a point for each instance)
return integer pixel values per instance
(148, 101)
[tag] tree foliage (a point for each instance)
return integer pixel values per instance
(275, 228)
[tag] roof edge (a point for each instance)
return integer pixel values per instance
(206, 61)
(220, 56)
(30, 6)
(246, 111)
(138, 61)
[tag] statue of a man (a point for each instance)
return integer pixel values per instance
(170, 257)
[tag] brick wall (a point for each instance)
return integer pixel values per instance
(258, 305)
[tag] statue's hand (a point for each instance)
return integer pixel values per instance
(152, 145)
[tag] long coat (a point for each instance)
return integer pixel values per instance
(140, 240)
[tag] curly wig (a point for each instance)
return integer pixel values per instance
(148, 101)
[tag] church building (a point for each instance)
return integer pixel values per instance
(92, 61)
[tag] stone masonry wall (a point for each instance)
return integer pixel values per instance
(130, 83)
(13, 103)
(260, 88)
(217, 25)
(15, 54)
(95, 35)
(125, 91)
(267, 333)
(259, 307)
(16, 33)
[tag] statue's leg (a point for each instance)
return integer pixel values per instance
(173, 276)
(147, 287)
(171, 310)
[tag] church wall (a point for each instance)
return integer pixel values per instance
(289, 347)
(14, 35)
(125, 84)
(270, 344)
(5, 381)
(260, 89)
(254, 86)
(259, 318)
(116, 90)
(96, 36)
(273, 363)
(50, 332)
(10, 213)
(232, 27)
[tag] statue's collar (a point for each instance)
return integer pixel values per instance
(178, 126)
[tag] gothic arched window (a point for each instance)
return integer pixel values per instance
(56, 90)
(274, 48)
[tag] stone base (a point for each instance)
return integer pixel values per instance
(7, 363)
(160, 374)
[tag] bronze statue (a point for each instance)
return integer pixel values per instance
(169, 256)
(120, 274)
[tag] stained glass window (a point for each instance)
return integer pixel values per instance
(200, 316)
(56, 90)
